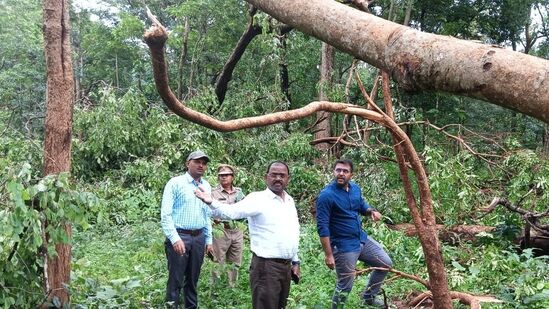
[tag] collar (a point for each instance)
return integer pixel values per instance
(190, 179)
(221, 189)
(351, 184)
(272, 195)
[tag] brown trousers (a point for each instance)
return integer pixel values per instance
(270, 282)
(228, 248)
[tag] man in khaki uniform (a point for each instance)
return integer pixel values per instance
(228, 235)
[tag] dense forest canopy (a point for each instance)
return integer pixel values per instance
(126, 144)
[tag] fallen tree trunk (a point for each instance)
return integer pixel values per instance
(456, 233)
(423, 61)
(450, 234)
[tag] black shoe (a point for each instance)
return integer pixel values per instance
(375, 302)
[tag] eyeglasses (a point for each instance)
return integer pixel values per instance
(342, 171)
(223, 175)
(277, 175)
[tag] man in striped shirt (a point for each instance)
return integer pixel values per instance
(186, 223)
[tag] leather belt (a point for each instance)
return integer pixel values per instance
(190, 232)
(276, 260)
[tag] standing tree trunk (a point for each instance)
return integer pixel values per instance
(545, 150)
(58, 123)
(183, 58)
(408, 15)
(322, 128)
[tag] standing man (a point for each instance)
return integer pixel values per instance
(339, 226)
(274, 236)
(227, 245)
(186, 223)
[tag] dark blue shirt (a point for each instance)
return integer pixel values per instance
(338, 216)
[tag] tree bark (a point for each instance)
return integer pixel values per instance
(222, 81)
(322, 128)
(421, 61)
(424, 221)
(58, 129)
(545, 150)
(408, 14)
(183, 58)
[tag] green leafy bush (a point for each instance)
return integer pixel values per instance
(31, 209)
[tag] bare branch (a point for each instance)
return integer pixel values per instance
(394, 271)
(462, 297)
(222, 81)
(530, 217)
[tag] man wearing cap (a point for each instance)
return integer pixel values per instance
(227, 242)
(186, 223)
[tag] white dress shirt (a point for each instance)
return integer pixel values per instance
(272, 222)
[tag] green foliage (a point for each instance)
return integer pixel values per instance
(125, 266)
(30, 210)
(123, 129)
(22, 73)
(126, 146)
(120, 267)
(454, 184)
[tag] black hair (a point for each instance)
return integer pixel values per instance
(278, 162)
(344, 161)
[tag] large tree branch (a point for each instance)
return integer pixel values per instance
(530, 217)
(422, 61)
(222, 81)
(156, 37)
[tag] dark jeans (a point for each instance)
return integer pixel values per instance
(184, 270)
(270, 282)
(372, 254)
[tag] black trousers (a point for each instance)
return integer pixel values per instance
(270, 282)
(184, 270)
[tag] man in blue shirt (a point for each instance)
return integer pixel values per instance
(339, 226)
(186, 223)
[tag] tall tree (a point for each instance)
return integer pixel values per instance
(322, 128)
(58, 123)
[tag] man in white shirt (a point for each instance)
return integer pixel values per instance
(274, 236)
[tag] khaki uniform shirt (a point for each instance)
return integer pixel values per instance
(219, 194)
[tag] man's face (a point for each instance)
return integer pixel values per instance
(277, 178)
(197, 167)
(225, 179)
(342, 174)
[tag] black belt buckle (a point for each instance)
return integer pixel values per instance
(281, 261)
(276, 260)
(190, 232)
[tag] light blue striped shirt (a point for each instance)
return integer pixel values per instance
(181, 209)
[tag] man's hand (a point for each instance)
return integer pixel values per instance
(330, 262)
(209, 250)
(179, 247)
(201, 194)
(296, 273)
(376, 216)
